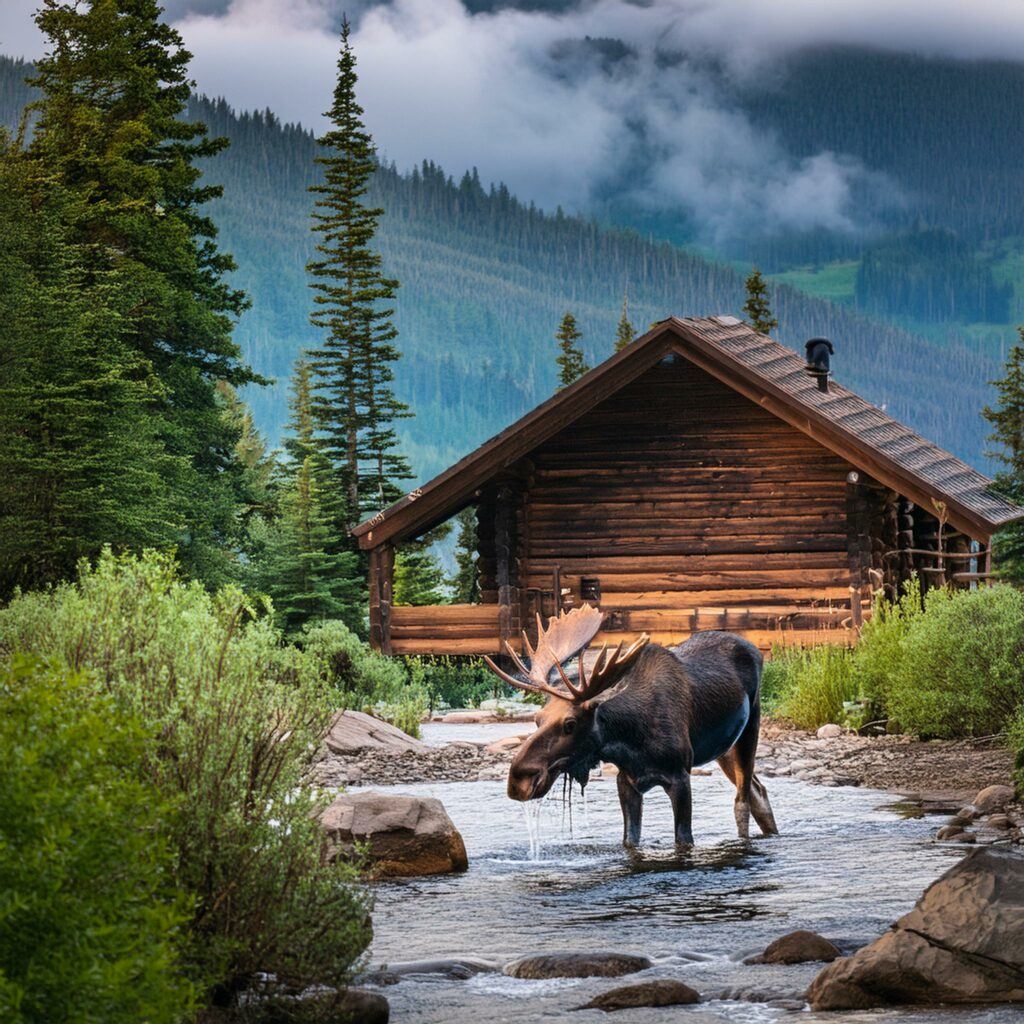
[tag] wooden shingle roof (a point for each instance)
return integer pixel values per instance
(758, 368)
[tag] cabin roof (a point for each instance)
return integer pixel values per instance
(753, 365)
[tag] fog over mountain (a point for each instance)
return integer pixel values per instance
(572, 102)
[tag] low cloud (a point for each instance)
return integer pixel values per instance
(570, 103)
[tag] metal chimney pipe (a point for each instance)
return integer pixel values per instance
(819, 351)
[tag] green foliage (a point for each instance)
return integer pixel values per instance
(961, 671)
(466, 581)
(758, 305)
(454, 682)
(355, 675)
(812, 685)
(90, 920)
(1007, 421)
(1015, 739)
(237, 716)
(111, 133)
(570, 361)
(81, 460)
(354, 403)
(624, 331)
(879, 652)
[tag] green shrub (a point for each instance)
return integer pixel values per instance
(355, 674)
(879, 655)
(235, 717)
(817, 682)
(455, 682)
(961, 671)
(90, 919)
(776, 679)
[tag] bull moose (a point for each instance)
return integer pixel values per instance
(670, 710)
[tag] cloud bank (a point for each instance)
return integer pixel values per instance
(569, 102)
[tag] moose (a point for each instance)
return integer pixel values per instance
(655, 712)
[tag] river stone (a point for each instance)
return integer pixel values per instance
(950, 831)
(962, 943)
(350, 731)
(799, 947)
(398, 836)
(577, 965)
(992, 799)
(648, 993)
(505, 744)
(460, 968)
(830, 731)
(363, 1007)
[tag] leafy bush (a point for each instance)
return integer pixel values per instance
(356, 675)
(90, 920)
(879, 653)
(961, 670)
(812, 685)
(235, 717)
(1015, 737)
(454, 682)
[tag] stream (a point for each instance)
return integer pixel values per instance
(846, 865)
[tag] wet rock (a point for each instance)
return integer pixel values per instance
(799, 947)
(577, 965)
(648, 993)
(353, 1006)
(505, 745)
(365, 1007)
(962, 943)
(999, 821)
(784, 999)
(967, 813)
(950, 831)
(830, 731)
(399, 836)
(454, 968)
(992, 799)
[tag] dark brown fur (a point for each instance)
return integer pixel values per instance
(676, 708)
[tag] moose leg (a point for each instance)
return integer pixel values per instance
(632, 802)
(682, 808)
(751, 796)
(729, 763)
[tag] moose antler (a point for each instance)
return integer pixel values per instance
(567, 634)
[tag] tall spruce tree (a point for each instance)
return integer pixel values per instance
(624, 332)
(1007, 419)
(354, 404)
(298, 561)
(571, 364)
(81, 462)
(111, 128)
(758, 306)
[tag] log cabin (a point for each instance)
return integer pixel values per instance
(705, 477)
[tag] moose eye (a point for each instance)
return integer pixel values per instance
(569, 726)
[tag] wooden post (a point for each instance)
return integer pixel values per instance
(382, 574)
(856, 529)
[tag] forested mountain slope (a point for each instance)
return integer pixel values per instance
(485, 280)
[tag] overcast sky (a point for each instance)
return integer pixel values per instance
(520, 92)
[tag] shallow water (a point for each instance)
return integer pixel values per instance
(845, 865)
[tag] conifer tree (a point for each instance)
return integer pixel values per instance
(466, 581)
(1007, 419)
(81, 462)
(624, 333)
(354, 403)
(299, 562)
(757, 307)
(571, 364)
(112, 130)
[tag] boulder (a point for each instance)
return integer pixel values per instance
(799, 947)
(365, 1007)
(577, 965)
(505, 744)
(352, 730)
(830, 731)
(962, 943)
(648, 993)
(993, 799)
(398, 836)
(950, 831)
(467, 717)
(460, 968)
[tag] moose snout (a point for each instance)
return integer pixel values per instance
(523, 782)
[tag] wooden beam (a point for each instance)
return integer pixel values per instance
(382, 573)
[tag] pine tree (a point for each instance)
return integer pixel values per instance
(466, 581)
(298, 561)
(81, 463)
(571, 364)
(624, 333)
(757, 306)
(1007, 419)
(419, 577)
(111, 128)
(354, 404)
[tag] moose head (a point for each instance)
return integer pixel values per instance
(566, 740)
